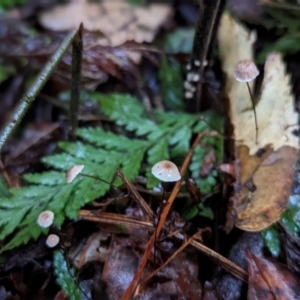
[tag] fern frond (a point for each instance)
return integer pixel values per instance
(126, 111)
(65, 277)
(101, 153)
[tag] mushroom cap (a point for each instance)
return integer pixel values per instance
(166, 170)
(245, 71)
(52, 240)
(73, 172)
(45, 218)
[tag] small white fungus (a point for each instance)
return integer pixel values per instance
(188, 95)
(45, 218)
(52, 240)
(187, 85)
(197, 63)
(166, 170)
(190, 76)
(245, 71)
(196, 77)
(73, 172)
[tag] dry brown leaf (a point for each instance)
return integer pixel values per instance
(117, 20)
(264, 169)
(270, 280)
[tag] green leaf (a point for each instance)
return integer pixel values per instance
(171, 83)
(205, 211)
(4, 191)
(286, 45)
(65, 277)
(180, 40)
(126, 111)
(291, 217)
(190, 212)
(46, 178)
(272, 241)
(208, 143)
(6, 71)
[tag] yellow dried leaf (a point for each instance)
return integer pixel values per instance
(264, 168)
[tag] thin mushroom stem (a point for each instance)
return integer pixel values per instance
(254, 111)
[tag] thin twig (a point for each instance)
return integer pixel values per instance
(280, 5)
(77, 46)
(136, 194)
(254, 111)
(180, 249)
(225, 263)
(114, 219)
(34, 90)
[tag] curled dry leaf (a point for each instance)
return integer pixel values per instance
(264, 169)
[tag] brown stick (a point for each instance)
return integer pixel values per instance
(180, 249)
(136, 194)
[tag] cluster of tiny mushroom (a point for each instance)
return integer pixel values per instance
(45, 220)
(164, 170)
(192, 79)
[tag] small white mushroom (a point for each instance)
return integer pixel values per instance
(187, 85)
(196, 77)
(73, 172)
(188, 95)
(245, 71)
(197, 63)
(166, 171)
(45, 218)
(190, 76)
(188, 67)
(52, 240)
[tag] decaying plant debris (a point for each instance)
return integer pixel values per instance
(115, 231)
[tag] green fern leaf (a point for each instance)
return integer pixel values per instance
(126, 111)
(46, 178)
(4, 191)
(65, 277)
(110, 141)
(22, 237)
(102, 153)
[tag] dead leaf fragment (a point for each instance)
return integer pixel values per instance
(272, 182)
(264, 168)
(118, 20)
(270, 280)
